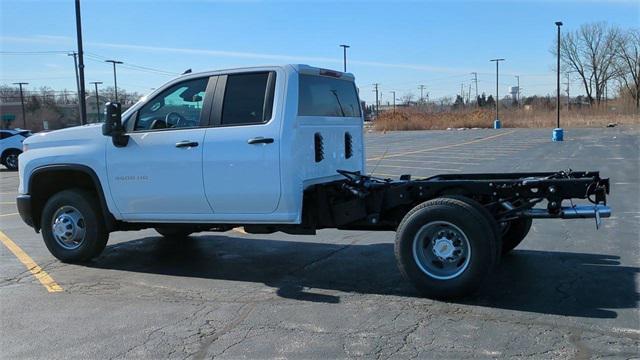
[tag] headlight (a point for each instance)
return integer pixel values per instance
(25, 147)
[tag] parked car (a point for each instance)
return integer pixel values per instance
(11, 146)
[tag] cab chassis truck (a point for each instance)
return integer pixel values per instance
(278, 149)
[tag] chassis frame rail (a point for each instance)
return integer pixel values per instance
(367, 202)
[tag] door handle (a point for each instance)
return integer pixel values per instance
(260, 140)
(186, 143)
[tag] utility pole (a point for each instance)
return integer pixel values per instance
(518, 93)
(394, 100)
(115, 79)
(344, 55)
(75, 67)
(24, 116)
(421, 87)
(469, 95)
(462, 91)
(475, 80)
(497, 121)
(96, 83)
(81, 98)
(377, 101)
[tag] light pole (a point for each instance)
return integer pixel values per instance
(558, 133)
(96, 83)
(24, 116)
(496, 123)
(115, 79)
(344, 55)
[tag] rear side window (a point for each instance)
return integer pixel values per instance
(326, 96)
(248, 98)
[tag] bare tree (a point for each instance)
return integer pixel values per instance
(407, 98)
(591, 52)
(628, 63)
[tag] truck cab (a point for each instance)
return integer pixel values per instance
(231, 146)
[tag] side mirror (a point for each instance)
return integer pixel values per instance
(113, 125)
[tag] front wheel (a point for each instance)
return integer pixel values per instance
(73, 227)
(11, 160)
(446, 248)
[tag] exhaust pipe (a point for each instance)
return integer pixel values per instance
(571, 212)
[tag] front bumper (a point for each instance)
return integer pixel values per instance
(24, 208)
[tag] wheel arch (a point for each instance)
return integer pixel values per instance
(47, 180)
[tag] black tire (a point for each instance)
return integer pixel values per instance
(472, 224)
(95, 234)
(497, 230)
(174, 232)
(10, 159)
(514, 232)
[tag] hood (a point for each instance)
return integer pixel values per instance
(70, 136)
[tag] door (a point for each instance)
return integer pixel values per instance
(158, 175)
(241, 162)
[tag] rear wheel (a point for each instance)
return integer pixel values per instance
(73, 227)
(446, 248)
(513, 232)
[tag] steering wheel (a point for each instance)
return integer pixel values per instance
(173, 119)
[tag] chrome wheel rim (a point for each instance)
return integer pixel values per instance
(441, 250)
(12, 161)
(68, 227)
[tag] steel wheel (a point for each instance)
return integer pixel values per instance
(68, 227)
(441, 250)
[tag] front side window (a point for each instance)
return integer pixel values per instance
(248, 98)
(176, 107)
(327, 96)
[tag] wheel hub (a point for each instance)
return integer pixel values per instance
(443, 248)
(68, 227)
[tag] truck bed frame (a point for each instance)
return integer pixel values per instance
(363, 202)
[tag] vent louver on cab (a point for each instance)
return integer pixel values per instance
(319, 146)
(348, 146)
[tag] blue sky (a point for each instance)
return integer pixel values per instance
(395, 43)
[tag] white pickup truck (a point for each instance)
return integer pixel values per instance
(276, 149)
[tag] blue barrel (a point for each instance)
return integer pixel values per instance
(558, 134)
(496, 124)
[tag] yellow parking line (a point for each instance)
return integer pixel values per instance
(417, 168)
(1, 215)
(443, 146)
(7, 202)
(433, 161)
(42, 276)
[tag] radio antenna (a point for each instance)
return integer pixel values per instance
(379, 161)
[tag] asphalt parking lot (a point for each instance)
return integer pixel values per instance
(568, 291)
